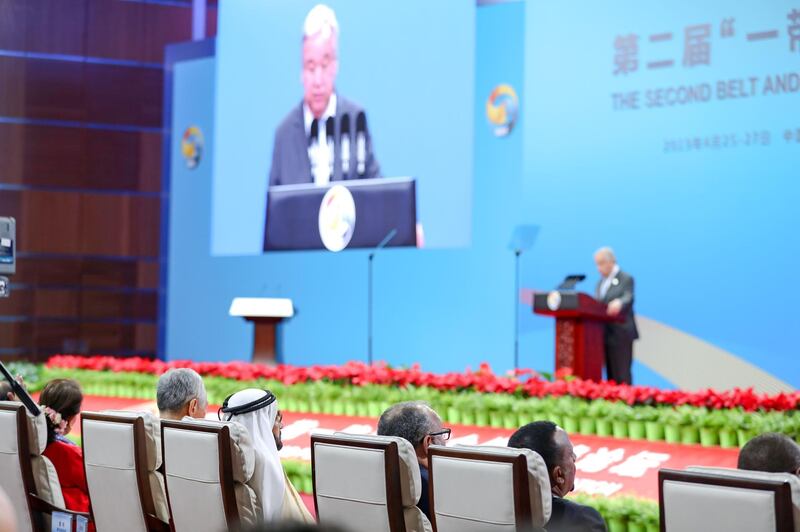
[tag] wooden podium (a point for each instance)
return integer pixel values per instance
(579, 330)
(266, 314)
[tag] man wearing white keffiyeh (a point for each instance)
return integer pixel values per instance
(279, 499)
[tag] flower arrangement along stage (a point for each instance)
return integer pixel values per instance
(480, 398)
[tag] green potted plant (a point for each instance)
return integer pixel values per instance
(671, 419)
(599, 410)
(728, 437)
(710, 422)
(687, 419)
(650, 416)
(619, 414)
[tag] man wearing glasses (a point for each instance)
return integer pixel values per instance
(300, 153)
(418, 423)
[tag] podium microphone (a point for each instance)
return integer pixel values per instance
(313, 145)
(329, 138)
(344, 144)
(389, 236)
(361, 143)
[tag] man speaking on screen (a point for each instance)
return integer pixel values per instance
(325, 138)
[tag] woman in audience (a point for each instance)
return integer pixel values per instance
(61, 403)
(258, 411)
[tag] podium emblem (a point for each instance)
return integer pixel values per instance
(337, 218)
(554, 300)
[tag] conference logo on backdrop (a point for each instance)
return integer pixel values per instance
(337, 218)
(502, 109)
(192, 146)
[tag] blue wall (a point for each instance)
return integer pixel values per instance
(709, 235)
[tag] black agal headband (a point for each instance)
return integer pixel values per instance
(246, 408)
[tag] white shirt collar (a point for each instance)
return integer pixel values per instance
(614, 270)
(308, 116)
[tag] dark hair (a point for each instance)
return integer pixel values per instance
(539, 437)
(65, 397)
(770, 452)
(412, 421)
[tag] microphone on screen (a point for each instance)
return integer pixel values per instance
(344, 144)
(361, 143)
(329, 140)
(313, 146)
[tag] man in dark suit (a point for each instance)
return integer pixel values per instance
(420, 425)
(552, 443)
(615, 289)
(292, 156)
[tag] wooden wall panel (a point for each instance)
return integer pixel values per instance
(120, 225)
(87, 192)
(53, 89)
(54, 26)
(16, 335)
(12, 24)
(69, 157)
(90, 273)
(124, 95)
(48, 223)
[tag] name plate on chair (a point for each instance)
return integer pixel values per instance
(61, 522)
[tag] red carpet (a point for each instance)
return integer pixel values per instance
(606, 466)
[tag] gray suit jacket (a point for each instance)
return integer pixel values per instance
(290, 164)
(621, 288)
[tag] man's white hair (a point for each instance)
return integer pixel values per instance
(606, 252)
(321, 22)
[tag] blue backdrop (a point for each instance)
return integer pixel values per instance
(696, 198)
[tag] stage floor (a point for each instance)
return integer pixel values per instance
(605, 466)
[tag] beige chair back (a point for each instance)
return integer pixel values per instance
(27, 477)
(727, 499)
(367, 483)
(207, 465)
(122, 455)
(488, 489)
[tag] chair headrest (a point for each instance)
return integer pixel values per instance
(152, 432)
(794, 480)
(410, 482)
(538, 477)
(37, 430)
(243, 456)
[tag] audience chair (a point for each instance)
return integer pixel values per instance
(366, 483)
(207, 465)
(29, 479)
(709, 498)
(122, 454)
(488, 489)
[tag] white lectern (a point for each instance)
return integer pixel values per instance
(266, 313)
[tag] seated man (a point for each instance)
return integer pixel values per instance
(257, 411)
(179, 393)
(553, 445)
(771, 452)
(418, 423)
